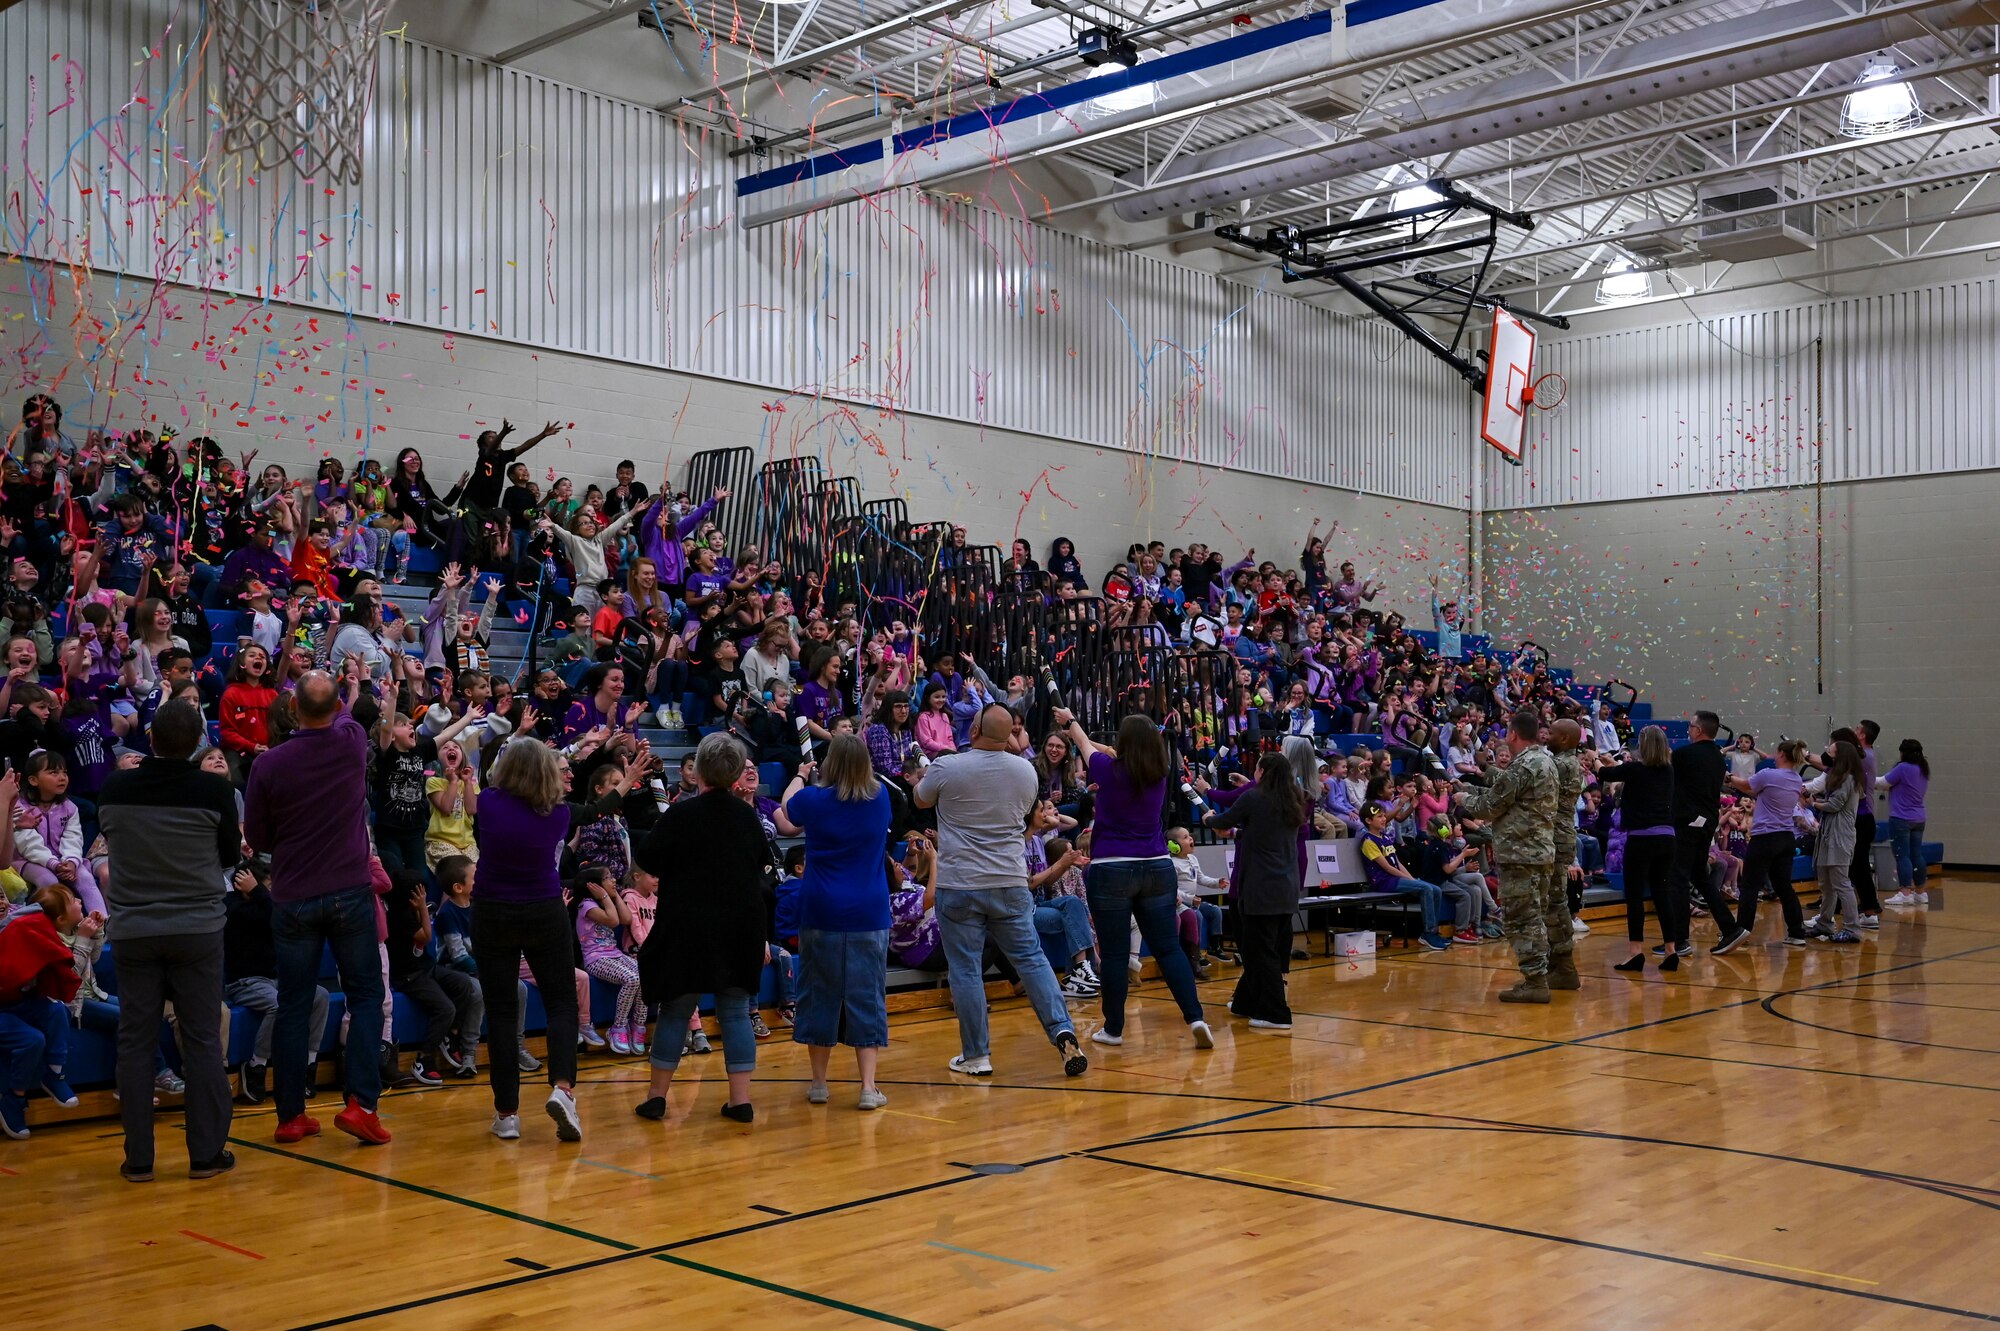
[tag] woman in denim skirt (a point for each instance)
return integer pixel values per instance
(843, 996)
(1130, 877)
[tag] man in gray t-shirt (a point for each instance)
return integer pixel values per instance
(983, 796)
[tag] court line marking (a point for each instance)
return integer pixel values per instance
(1770, 1006)
(1801, 1270)
(991, 1257)
(1658, 1081)
(230, 1247)
(1272, 1107)
(1563, 1239)
(620, 1169)
(904, 1113)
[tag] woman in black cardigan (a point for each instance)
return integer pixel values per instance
(1267, 818)
(708, 937)
(1646, 812)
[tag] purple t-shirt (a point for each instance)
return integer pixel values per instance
(1907, 787)
(819, 704)
(520, 851)
(1127, 824)
(1777, 790)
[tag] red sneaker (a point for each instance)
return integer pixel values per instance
(297, 1129)
(361, 1124)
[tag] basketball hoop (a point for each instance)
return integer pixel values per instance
(1547, 398)
(297, 80)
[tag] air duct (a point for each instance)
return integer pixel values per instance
(1701, 59)
(1281, 55)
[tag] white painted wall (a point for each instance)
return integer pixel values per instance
(1708, 601)
(315, 395)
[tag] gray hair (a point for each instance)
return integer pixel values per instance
(718, 761)
(1299, 753)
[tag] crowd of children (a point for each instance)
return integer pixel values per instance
(119, 545)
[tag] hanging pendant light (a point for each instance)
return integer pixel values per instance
(1881, 103)
(1623, 280)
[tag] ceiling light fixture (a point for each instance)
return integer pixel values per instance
(1881, 103)
(1132, 97)
(1623, 280)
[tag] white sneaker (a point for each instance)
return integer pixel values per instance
(1577, 926)
(871, 1100)
(1259, 1024)
(1871, 921)
(1812, 924)
(507, 1127)
(1923, 898)
(1102, 1036)
(1903, 898)
(1088, 970)
(971, 1067)
(1204, 1038)
(562, 1108)
(588, 1038)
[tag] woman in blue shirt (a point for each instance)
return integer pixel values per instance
(843, 993)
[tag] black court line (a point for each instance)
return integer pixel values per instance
(532, 1266)
(1770, 1005)
(1466, 1123)
(768, 1210)
(1657, 1081)
(628, 1251)
(1564, 1239)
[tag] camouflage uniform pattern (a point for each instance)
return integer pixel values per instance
(1555, 890)
(1521, 804)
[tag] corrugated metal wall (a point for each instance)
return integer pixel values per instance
(501, 204)
(1698, 406)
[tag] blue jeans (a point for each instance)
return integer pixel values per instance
(300, 931)
(1907, 841)
(1436, 912)
(966, 919)
(34, 1035)
(843, 989)
(732, 1014)
(1146, 891)
(1589, 855)
(1063, 925)
(1211, 922)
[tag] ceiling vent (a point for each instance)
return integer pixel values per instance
(1650, 238)
(1782, 223)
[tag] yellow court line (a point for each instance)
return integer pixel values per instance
(1801, 1270)
(1273, 1178)
(903, 1113)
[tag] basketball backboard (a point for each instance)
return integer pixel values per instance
(1510, 370)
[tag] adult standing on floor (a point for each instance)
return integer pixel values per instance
(171, 829)
(518, 915)
(1521, 805)
(1647, 808)
(982, 795)
(307, 808)
(1862, 870)
(1699, 772)
(843, 992)
(1566, 750)
(1773, 842)
(1267, 818)
(710, 928)
(1130, 876)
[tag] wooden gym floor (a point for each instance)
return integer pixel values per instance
(1777, 1139)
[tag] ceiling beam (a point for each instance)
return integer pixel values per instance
(557, 36)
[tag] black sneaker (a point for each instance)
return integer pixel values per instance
(1684, 950)
(421, 1075)
(223, 1162)
(1074, 1063)
(253, 1082)
(1735, 939)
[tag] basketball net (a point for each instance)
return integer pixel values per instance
(297, 80)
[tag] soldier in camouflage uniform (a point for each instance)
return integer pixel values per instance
(1565, 739)
(1521, 802)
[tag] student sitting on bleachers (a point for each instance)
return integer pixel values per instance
(48, 834)
(449, 1000)
(37, 977)
(250, 978)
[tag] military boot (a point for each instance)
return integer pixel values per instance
(1562, 972)
(1531, 989)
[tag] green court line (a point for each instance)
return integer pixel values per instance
(991, 1257)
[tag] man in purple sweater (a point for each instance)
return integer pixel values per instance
(307, 806)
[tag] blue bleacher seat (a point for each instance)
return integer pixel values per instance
(772, 775)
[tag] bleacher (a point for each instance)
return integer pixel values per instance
(884, 562)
